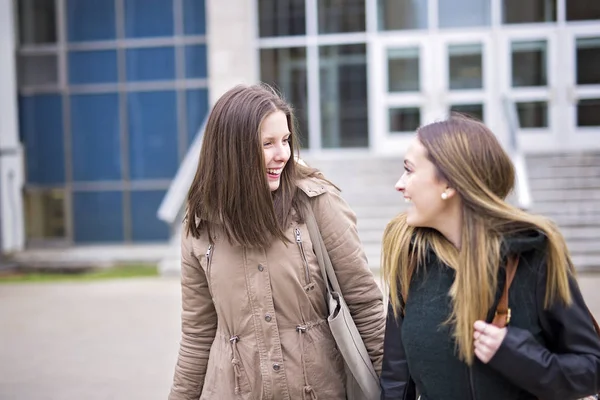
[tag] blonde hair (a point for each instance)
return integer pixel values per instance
(468, 156)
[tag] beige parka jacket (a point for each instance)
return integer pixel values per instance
(254, 321)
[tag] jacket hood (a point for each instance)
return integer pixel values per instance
(524, 241)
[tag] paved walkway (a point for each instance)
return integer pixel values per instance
(102, 340)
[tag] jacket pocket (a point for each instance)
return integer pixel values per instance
(308, 283)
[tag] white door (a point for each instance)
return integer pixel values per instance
(420, 78)
(403, 89)
(531, 76)
(465, 77)
(582, 57)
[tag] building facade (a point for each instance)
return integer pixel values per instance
(367, 73)
(109, 96)
(104, 97)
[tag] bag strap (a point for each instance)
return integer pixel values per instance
(502, 315)
(327, 270)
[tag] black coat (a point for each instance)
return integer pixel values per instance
(550, 354)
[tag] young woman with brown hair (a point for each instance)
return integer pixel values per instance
(254, 313)
(445, 263)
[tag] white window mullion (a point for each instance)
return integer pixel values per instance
(312, 71)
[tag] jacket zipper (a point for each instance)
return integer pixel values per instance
(304, 260)
(208, 265)
(471, 384)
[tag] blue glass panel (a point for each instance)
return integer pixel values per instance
(41, 124)
(98, 217)
(152, 120)
(195, 61)
(194, 17)
(93, 67)
(90, 20)
(196, 110)
(145, 225)
(95, 137)
(148, 18)
(151, 64)
(464, 13)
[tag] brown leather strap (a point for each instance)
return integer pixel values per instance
(502, 316)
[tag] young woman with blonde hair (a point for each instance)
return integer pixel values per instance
(254, 311)
(445, 261)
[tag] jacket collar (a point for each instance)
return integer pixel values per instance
(312, 186)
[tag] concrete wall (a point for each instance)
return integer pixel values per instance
(232, 50)
(11, 155)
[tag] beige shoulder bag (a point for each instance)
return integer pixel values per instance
(362, 382)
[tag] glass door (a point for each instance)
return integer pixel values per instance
(583, 86)
(404, 88)
(465, 80)
(422, 78)
(530, 77)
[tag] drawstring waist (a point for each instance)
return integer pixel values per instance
(307, 389)
(235, 362)
(308, 392)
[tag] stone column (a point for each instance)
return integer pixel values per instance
(11, 155)
(232, 50)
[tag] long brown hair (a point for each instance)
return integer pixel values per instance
(468, 156)
(229, 187)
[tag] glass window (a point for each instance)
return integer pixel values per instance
(588, 61)
(195, 61)
(152, 118)
(281, 18)
(90, 20)
(337, 16)
(529, 63)
(45, 214)
(465, 66)
(588, 112)
(403, 69)
(405, 119)
(149, 18)
(464, 13)
(533, 114)
(530, 11)
(470, 110)
(402, 14)
(196, 101)
(37, 21)
(344, 115)
(95, 136)
(150, 64)
(93, 67)
(41, 125)
(145, 225)
(98, 217)
(285, 69)
(194, 17)
(37, 70)
(580, 10)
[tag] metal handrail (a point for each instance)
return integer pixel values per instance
(174, 200)
(523, 190)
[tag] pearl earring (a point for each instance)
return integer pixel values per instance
(444, 196)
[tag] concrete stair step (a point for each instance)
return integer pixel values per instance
(561, 159)
(583, 247)
(576, 221)
(561, 196)
(567, 208)
(565, 183)
(539, 172)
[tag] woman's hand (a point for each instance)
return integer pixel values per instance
(488, 339)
